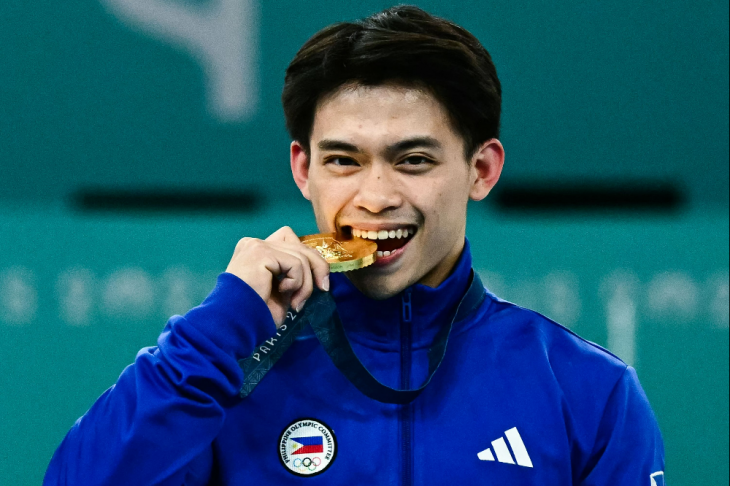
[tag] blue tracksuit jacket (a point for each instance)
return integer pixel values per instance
(518, 400)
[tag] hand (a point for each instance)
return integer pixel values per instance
(281, 269)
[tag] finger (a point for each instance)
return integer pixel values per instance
(300, 296)
(283, 234)
(319, 267)
(286, 268)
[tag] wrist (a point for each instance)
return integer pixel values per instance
(233, 316)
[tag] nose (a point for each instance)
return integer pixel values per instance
(378, 191)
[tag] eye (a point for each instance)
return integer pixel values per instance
(416, 161)
(341, 161)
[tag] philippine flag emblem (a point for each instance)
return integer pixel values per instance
(307, 447)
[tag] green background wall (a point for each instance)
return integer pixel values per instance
(614, 92)
(591, 89)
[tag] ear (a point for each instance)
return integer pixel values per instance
(486, 167)
(299, 161)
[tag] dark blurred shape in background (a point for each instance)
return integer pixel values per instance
(597, 197)
(168, 200)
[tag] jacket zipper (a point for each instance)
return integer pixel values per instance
(406, 414)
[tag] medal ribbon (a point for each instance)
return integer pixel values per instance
(321, 314)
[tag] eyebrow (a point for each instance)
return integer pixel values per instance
(410, 144)
(391, 150)
(334, 145)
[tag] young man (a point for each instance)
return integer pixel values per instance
(395, 125)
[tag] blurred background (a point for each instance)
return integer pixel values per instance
(140, 139)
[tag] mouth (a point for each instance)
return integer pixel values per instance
(389, 240)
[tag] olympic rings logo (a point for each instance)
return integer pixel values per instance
(307, 463)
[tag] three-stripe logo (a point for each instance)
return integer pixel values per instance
(657, 479)
(502, 451)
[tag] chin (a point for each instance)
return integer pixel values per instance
(377, 287)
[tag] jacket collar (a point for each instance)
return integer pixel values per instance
(379, 323)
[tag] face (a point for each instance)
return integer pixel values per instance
(386, 164)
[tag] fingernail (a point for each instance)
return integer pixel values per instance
(301, 306)
(326, 283)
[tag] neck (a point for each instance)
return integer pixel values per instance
(377, 322)
(441, 271)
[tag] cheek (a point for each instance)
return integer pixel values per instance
(442, 198)
(444, 207)
(329, 197)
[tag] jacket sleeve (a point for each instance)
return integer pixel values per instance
(157, 423)
(629, 450)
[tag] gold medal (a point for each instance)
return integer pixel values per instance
(342, 254)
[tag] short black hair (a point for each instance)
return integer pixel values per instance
(403, 45)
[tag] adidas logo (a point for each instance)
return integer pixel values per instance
(657, 479)
(503, 453)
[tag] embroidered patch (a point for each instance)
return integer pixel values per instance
(307, 447)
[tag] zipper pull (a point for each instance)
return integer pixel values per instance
(407, 306)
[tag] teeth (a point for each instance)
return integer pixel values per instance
(386, 253)
(380, 254)
(382, 234)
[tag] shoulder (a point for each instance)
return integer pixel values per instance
(591, 388)
(596, 397)
(530, 340)
(502, 318)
